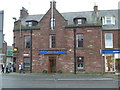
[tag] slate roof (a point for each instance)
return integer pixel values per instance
(114, 13)
(69, 16)
(32, 17)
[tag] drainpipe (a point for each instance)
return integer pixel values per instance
(74, 51)
(31, 51)
(102, 63)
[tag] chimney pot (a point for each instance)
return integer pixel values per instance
(54, 4)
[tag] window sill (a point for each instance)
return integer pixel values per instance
(79, 48)
(109, 48)
(79, 68)
(108, 24)
(26, 48)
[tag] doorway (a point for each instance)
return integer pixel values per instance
(52, 64)
(109, 63)
(14, 64)
(117, 65)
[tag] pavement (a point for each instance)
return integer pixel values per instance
(64, 80)
(69, 76)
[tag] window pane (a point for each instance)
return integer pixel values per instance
(14, 40)
(108, 36)
(80, 62)
(52, 23)
(109, 20)
(27, 41)
(80, 65)
(29, 23)
(79, 40)
(79, 21)
(52, 41)
(27, 65)
(108, 40)
(27, 62)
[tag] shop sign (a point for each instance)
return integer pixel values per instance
(111, 51)
(25, 55)
(9, 53)
(52, 52)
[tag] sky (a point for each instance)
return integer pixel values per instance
(12, 9)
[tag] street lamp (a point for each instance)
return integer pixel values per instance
(14, 18)
(74, 51)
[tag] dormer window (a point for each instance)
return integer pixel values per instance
(108, 20)
(80, 20)
(31, 23)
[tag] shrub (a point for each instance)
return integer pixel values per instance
(45, 71)
(59, 71)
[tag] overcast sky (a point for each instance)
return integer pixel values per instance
(12, 9)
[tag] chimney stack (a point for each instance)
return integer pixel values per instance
(53, 4)
(95, 8)
(23, 12)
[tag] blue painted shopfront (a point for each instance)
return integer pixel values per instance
(111, 51)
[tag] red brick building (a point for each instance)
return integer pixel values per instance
(49, 42)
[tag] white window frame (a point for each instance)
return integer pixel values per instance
(110, 18)
(82, 58)
(29, 24)
(26, 39)
(113, 63)
(110, 41)
(52, 23)
(26, 63)
(79, 21)
(50, 40)
(77, 37)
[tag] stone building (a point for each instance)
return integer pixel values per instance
(66, 41)
(1, 37)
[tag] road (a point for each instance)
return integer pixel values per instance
(56, 81)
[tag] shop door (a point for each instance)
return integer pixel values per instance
(110, 64)
(14, 64)
(117, 65)
(52, 64)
